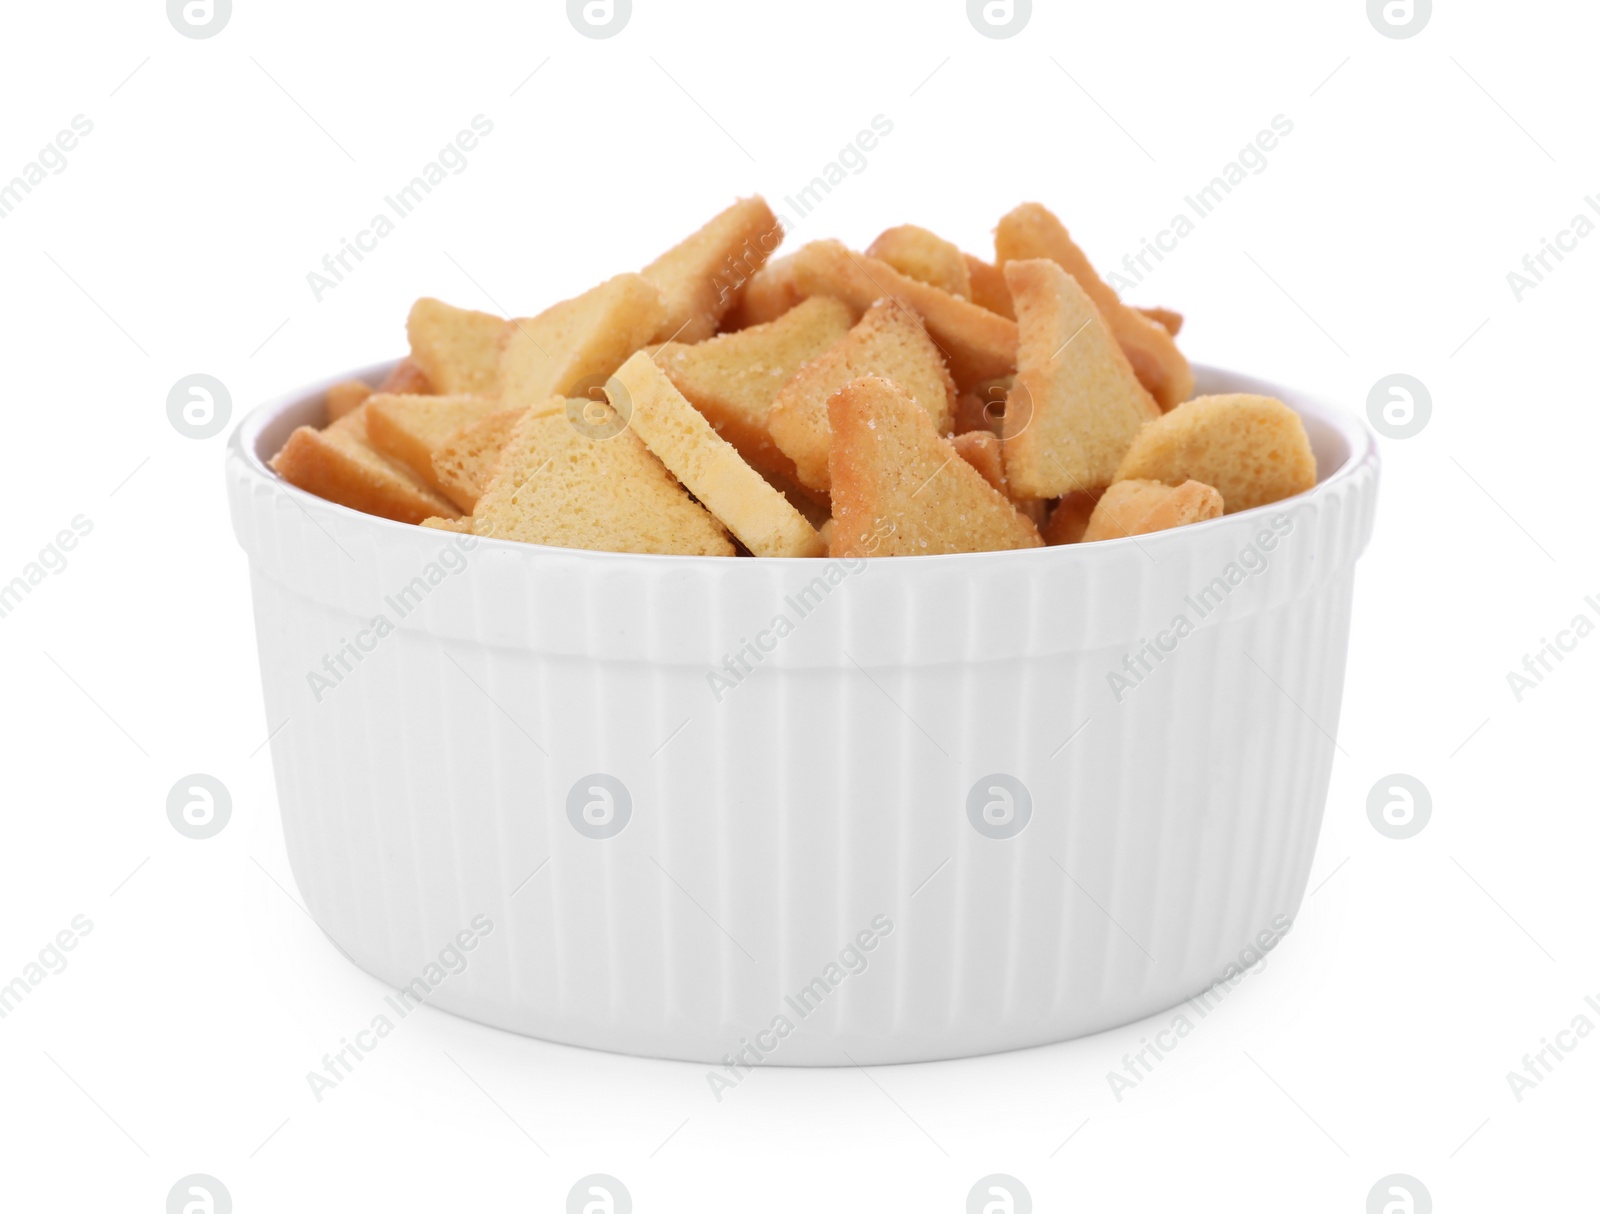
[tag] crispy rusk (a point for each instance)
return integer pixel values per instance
(918, 253)
(407, 379)
(556, 485)
(409, 429)
(457, 349)
(339, 464)
(981, 449)
(977, 343)
(989, 288)
(345, 396)
(701, 278)
(734, 378)
(708, 466)
(1252, 449)
(1070, 518)
(901, 490)
(1076, 404)
(576, 345)
(890, 341)
(768, 295)
(1140, 507)
(1030, 231)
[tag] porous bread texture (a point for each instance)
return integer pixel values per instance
(465, 460)
(702, 277)
(890, 341)
(555, 485)
(768, 294)
(457, 349)
(981, 449)
(901, 490)
(1076, 404)
(340, 465)
(708, 466)
(1140, 507)
(733, 379)
(1252, 449)
(920, 254)
(407, 379)
(409, 429)
(989, 288)
(344, 397)
(462, 525)
(575, 345)
(977, 343)
(1029, 232)
(1070, 518)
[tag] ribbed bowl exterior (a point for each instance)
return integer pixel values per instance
(805, 875)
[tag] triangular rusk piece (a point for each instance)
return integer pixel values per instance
(574, 346)
(977, 343)
(1030, 231)
(920, 254)
(888, 341)
(701, 278)
(708, 466)
(901, 490)
(1140, 507)
(409, 429)
(733, 379)
(1076, 404)
(556, 485)
(339, 464)
(457, 349)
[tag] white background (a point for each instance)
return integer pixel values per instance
(1375, 1040)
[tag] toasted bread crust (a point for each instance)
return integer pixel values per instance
(340, 465)
(768, 294)
(920, 254)
(981, 449)
(901, 490)
(1076, 405)
(409, 429)
(1070, 519)
(989, 288)
(1252, 449)
(733, 379)
(890, 341)
(701, 278)
(1141, 507)
(977, 343)
(708, 466)
(1030, 231)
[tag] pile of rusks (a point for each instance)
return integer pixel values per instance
(908, 400)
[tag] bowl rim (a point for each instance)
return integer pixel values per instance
(1361, 446)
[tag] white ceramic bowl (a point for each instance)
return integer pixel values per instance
(818, 861)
